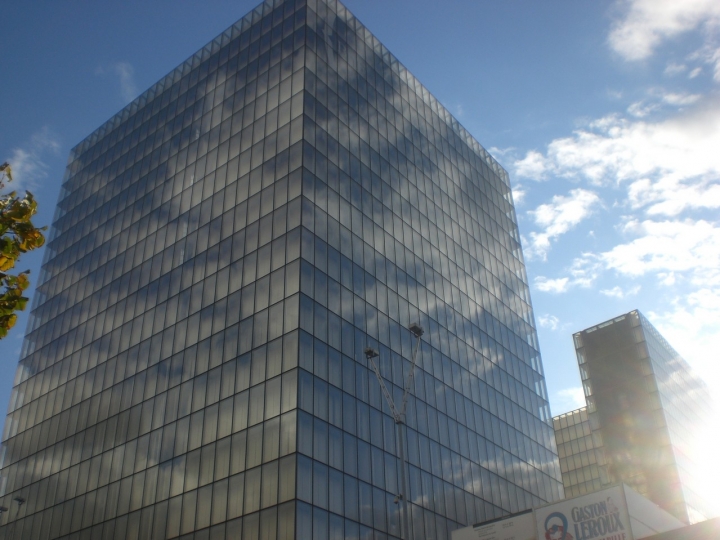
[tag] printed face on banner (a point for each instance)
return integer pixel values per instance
(598, 516)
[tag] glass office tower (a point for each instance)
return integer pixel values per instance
(648, 412)
(225, 248)
(582, 460)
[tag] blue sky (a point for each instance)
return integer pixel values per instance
(606, 114)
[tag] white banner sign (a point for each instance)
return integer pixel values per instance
(520, 527)
(598, 516)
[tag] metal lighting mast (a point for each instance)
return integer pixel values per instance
(399, 417)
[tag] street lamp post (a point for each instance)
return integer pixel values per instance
(11, 525)
(399, 417)
(4, 509)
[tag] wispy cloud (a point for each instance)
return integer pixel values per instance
(669, 251)
(641, 109)
(533, 166)
(614, 148)
(518, 194)
(583, 272)
(645, 24)
(708, 54)
(558, 285)
(559, 216)
(673, 69)
(667, 170)
(671, 165)
(125, 73)
(620, 293)
(680, 99)
(659, 99)
(549, 321)
(691, 247)
(570, 399)
(28, 162)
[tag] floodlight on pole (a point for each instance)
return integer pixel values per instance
(19, 501)
(416, 329)
(4, 509)
(399, 417)
(371, 353)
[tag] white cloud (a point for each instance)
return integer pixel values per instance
(619, 292)
(518, 194)
(615, 292)
(640, 109)
(645, 24)
(613, 148)
(558, 285)
(459, 110)
(658, 99)
(666, 249)
(672, 251)
(584, 271)
(709, 54)
(680, 99)
(532, 166)
(570, 399)
(28, 162)
(666, 170)
(126, 74)
(673, 164)
(688, 246)
(558, 217)
(671, 196)
(548, 321)
(501, 152)
(673, 69)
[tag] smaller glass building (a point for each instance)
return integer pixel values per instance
(646, 409)
(581, 456)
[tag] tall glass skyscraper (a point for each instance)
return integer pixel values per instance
(647, 412)
(224, 250)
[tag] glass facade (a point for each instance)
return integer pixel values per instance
(648, 410)
(224, 249)
(582, 460)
